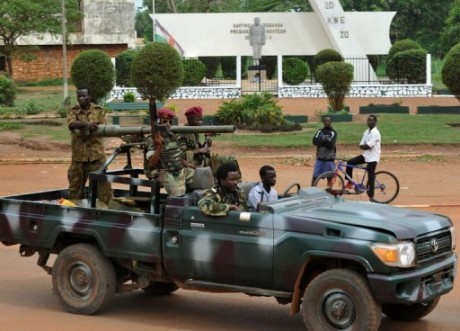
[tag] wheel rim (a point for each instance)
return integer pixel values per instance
(339, 310)
(81, 279)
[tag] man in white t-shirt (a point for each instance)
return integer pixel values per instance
(370, 143)
(263, 192)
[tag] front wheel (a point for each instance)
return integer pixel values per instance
(386, 187)
(330, 182)
(409, 312)
(340, 299)
(84, 280)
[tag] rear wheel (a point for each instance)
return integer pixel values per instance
(330, 182)
(386, 187)
(83, 279)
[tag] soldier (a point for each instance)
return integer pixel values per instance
(87, 150)
(164, 159)
(198, 154)
(225, 195)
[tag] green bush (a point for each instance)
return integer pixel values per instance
(212, 64)
(31, 108)
(228, 64)
(194, 72)
(451, 70)
(295, 71)
(401, 46)
(123, 67)
(94, 69)
(129, 97)
(157, 71)
(8, 126)
(254, 111)
(7, 91)
(325, 56)
(408, 66)
(336, 78)
(62, 111)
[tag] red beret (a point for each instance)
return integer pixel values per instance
(166, 113)
(194, 111)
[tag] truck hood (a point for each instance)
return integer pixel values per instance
(402, 222)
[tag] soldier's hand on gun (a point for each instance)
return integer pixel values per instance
(158, 140)
(91, 126)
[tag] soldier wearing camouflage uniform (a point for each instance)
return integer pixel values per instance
(198, 154)
(164, 159)
(226, 195)
(87, 150)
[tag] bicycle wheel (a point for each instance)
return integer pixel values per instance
(330, 182)
(386, 187)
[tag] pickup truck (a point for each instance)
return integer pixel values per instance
(340, 263)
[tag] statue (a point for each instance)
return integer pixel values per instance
(256, 39)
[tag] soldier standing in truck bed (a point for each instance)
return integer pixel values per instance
(164, 159)
(87, 150)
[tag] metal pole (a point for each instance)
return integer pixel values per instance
(64, 50)
(153, 20)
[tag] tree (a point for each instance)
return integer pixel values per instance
(94, 69)
(157, 71)
(450, 35)
(123, 67)
(451, 71)
(336, 78)
(23, 17)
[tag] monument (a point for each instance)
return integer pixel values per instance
(256, 40)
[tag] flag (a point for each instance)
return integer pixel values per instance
(162, 35)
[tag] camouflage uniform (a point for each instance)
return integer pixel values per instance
(213, 203)
(87, 154)
(176, 177)
(188, 143)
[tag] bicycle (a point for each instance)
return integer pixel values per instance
(386, 184)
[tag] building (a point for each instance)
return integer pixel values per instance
(108, 25)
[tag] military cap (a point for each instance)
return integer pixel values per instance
(194, 111)
(166, 113)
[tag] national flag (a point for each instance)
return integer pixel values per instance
(162, 35)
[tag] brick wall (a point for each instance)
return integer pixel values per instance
(48, 61)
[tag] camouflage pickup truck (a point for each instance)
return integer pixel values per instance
(341, 263)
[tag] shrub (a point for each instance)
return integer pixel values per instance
(451, 70)
(212, 64)
(336, 78)
(157, 71)
(228, 64)
(94, 69)
(325, 56)
(408, 66)
(295, 71)
(31, 108)
(251, 111)
(401, 46)
(123, 67)
(194, 72)
(8, 126)
(7, 91)
(129, 97)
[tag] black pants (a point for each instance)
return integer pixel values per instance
(371, 166)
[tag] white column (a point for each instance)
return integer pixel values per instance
(238, 71)
(428, 69)
(279, 60)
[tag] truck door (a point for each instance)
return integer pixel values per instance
(236, 249)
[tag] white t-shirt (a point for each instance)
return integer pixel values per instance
(372, 139)
(258, 194)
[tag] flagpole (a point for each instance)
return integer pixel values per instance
(153, 21)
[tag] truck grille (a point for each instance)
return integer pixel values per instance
(433, 245)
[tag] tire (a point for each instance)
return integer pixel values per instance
(157, 288)
(409, 312)
(84, 280)
(325, 179)
(340, 299)
(386, 187)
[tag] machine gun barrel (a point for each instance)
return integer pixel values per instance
(118, 131)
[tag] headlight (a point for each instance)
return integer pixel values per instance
(396, 255)
(453, 236)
